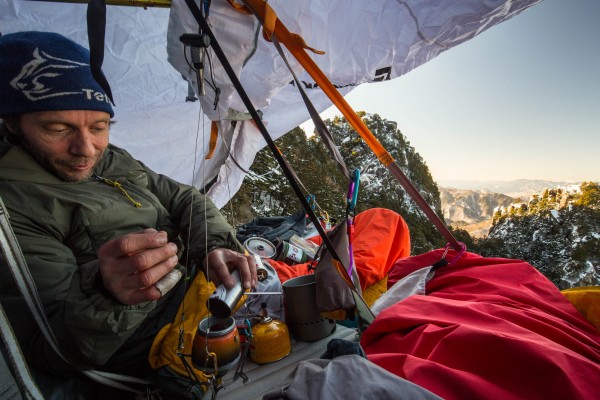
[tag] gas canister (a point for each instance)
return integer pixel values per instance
(270, 340)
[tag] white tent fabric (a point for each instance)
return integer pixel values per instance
(365, 41)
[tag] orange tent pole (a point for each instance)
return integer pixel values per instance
(295, 44)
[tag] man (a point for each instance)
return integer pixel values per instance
(99, 230)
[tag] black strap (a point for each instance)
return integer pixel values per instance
(96, 23)
(363, 310)
(254, 114)
(384, 157)
(316, 118)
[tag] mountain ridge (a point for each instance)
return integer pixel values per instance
(472, 210)
(518, 188)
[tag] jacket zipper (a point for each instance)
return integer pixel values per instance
(117, 185)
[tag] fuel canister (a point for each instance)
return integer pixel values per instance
(261, 247)
(270, 340)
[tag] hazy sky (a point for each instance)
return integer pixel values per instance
(521, 100)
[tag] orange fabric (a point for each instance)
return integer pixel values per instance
(212, 144)
(269, 19)
(380, 238)
(296, 46)
(286, 272)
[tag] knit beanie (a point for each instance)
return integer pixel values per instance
(44, 71)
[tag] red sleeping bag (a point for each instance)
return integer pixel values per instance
(487, 328)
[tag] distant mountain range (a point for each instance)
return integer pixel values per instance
(472, 210)
(469, 204)
(518, 188)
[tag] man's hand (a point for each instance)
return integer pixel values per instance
(219, 263)
(131, 264)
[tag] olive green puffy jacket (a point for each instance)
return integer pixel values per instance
(60, 225)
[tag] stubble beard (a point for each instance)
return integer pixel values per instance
(54, 167)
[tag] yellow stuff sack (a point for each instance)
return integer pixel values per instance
(178, 336)
(587, 301)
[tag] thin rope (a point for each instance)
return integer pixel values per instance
(215, 363)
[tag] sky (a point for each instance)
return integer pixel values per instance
(519, 101)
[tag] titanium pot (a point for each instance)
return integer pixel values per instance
(301, 313)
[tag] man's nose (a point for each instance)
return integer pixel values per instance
(82, 144)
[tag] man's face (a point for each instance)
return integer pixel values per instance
(67, 143)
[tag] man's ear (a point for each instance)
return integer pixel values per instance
(11, 124)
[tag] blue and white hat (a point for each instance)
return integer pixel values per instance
(44, 71)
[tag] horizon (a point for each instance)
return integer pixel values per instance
(515, 180)
(506, 187)
(519, 101)
(522, 190)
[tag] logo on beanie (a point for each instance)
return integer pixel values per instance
(37, 77)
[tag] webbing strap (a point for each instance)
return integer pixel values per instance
(363, 310)
(316, 118)
(212, 143)
(290, 41)
(96, 24)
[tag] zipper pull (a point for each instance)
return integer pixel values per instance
(116, 184)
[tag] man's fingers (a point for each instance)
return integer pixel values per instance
(249, 277)
(143, 260)
(219, 274)
(219, 262)
(134, 242)
(239, 262)
(149, 276)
